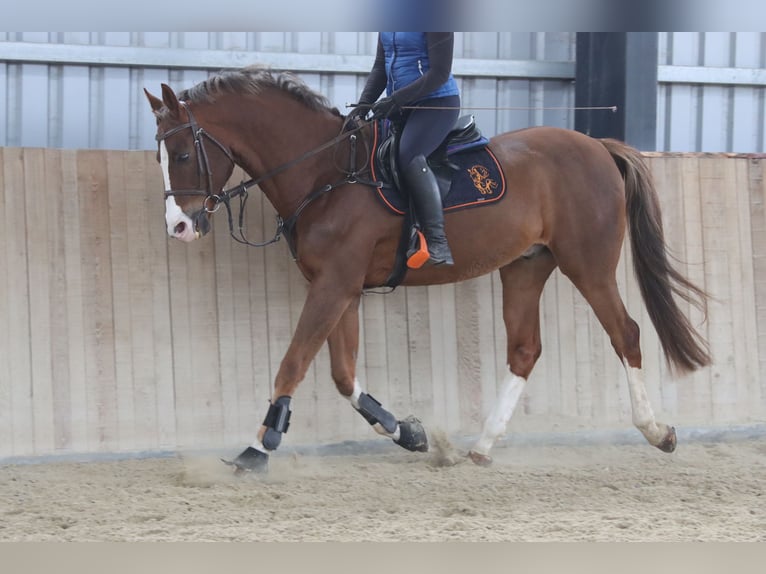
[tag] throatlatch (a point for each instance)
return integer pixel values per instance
(277, 421)
(371, 410)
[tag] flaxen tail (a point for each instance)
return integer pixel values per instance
(685, 349)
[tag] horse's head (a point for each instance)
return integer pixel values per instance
(193, 171)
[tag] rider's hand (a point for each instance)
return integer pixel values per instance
(385, 108)
(359, 112)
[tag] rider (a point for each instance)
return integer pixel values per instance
(423, 100)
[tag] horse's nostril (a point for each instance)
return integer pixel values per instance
(180, 228)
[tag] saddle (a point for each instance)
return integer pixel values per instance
(468, 174)
(463, 136)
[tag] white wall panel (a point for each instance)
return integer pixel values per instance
(710, 93)
(704, 100)
(84, 98)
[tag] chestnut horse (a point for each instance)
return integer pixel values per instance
(570, 200)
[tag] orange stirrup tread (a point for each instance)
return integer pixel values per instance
(419, 258)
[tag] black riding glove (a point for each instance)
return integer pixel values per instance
(360, 111)
(385, 108)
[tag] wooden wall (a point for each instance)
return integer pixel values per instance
(116, 339)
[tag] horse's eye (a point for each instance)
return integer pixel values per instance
(182, 157)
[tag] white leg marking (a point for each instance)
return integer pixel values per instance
(258, 445)
(643, 415)
(496, 422)
(173, 213)
(354, 400)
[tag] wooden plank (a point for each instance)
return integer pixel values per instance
(18, 349)
(228, 304)
(489, 379)
(98, 321)
(121, 304)
(757, 188)
(585, 387)
(439, 410)
(715, 231)
(158, 267)
(469, 321)
(373, 366)
(6, 380)
(75, 302)
(61, 422)
(694, 391)
(204, 390)
(742, 276)
(37, 199)
(419, 350)
(550, 361)
(565, 293)
(443, 321)
(396, 391)
(738, 270)
(139, 217)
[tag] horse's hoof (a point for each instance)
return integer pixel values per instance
(480, 459)
(412, 435)
(249, 460)
(668, 444)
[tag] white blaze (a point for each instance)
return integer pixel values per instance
(174, 215)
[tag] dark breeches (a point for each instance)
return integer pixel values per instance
(425, 129)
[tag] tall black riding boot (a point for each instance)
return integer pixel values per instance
(422, 185)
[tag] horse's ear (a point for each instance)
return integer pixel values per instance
(154, 101)
(170, 99)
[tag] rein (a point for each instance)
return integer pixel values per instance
(225, 196)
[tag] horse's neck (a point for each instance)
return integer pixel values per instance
(277, 140)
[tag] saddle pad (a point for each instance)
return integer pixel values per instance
(474, 179)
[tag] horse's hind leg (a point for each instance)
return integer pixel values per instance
(603, 296)
(343, 343)
(523, 282)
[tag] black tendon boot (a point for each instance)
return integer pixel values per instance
(422, 185)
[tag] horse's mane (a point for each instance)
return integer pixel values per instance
(253, 80)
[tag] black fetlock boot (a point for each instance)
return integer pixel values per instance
(424, 189)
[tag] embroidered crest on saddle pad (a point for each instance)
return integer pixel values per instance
(466, 169)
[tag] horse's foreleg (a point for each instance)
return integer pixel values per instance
(343, 342)
(497, 420)
(523, 282)
(325, 305)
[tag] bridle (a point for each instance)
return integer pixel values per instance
(213, 200)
